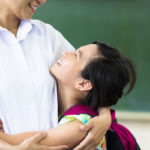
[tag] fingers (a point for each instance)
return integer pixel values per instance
(63, 147)
(3, 143)
(36, 138)
(87, 126)
(41, 147)
(84, 144)
(32, 143)
(5, 146)
(93, 138)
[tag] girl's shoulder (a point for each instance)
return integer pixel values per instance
(79, 112)
(83, 118)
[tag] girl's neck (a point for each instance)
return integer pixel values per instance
(65, 98)
(8, 20)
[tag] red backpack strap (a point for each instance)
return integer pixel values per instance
(80, 109)
(123, 133)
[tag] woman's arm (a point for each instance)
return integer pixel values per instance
(31, 143)
(66, 134)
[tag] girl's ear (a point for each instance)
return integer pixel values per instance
(83, 85)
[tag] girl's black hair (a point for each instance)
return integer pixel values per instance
(109, 75)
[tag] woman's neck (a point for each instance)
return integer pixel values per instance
(65, 98)
(8, 20)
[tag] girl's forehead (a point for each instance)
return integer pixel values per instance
(88, 51)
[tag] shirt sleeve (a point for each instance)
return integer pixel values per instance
(58, 42)
(84, 118)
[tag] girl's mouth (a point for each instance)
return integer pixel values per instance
(59, 62)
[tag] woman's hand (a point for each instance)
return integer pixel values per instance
(5, 146)
(97, 128)
(1, 126)
(31, 143)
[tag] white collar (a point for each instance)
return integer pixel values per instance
(24, 28)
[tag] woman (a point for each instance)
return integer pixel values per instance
(27, 49)
(95, 76)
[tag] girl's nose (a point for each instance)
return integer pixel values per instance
(65, 54)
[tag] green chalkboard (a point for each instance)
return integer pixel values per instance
(123, 23)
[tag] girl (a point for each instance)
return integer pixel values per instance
(95, 75)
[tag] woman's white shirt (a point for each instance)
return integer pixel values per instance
(28, 94)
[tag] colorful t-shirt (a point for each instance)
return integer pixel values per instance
(84, 118)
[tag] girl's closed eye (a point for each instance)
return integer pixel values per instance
(75, 54)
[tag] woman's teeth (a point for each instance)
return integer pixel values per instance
(32, 6)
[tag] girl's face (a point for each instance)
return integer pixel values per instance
(22, 9)
(68, 68)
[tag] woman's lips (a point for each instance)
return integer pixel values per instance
(33, 8)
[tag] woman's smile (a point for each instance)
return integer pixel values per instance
(33, 8)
